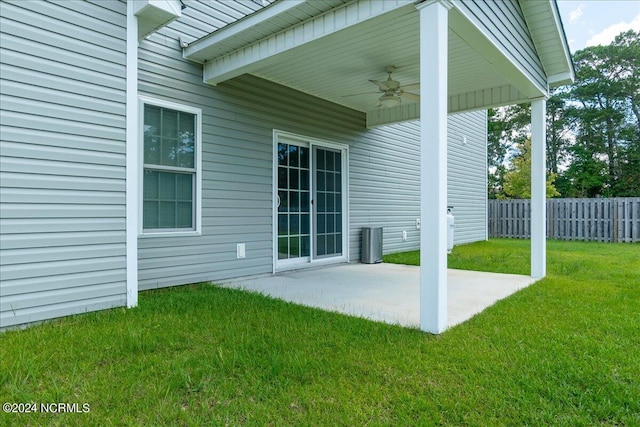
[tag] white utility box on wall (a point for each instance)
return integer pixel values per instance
(450, 229)
(155, 14)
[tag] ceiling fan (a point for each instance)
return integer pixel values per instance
(392, 91)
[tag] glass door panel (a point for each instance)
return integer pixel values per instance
(294, 234)
(328, 206)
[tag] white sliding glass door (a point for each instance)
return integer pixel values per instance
(309, 199)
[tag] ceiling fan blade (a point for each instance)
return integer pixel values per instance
(378, 103)
(412, 86)
(358, 94)
(381, 85)
(411, 96)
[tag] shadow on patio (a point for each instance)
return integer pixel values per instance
(384, 292)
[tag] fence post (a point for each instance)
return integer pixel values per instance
(613, 220)
(593, 232)
(550, 219)
(632, 217)
(580, 220)
(618, 223)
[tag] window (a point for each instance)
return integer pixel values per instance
(171, 167)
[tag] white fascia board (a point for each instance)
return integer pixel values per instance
(195, 49)
(561, 79)
(267, 50)
(477, 107)
(553, 5)
(386, 116)
(465, 27)
(486, 98)
(460, 102)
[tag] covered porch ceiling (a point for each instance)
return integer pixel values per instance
(331, 49)
(462, 55)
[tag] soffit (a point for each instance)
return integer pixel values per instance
(272, 19)
(338, 64)
(545, 25)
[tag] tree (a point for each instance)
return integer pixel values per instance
(497, 150)
(593, 129)
(626, 54)
(607, 113)
(506, 127)
(517, 181)
(586, 176)
(628, 184)
(559, 121)
(508, 130)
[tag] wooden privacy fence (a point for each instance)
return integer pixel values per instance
(603, 220)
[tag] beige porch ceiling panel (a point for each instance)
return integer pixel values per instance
(338, 66)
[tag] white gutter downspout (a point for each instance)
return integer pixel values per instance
(131, 153)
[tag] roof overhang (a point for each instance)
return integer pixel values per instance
(234, 36)
(331, 50)
(547, 33)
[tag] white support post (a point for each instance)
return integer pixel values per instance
(131, 152)
(538, 188)
(433, 164)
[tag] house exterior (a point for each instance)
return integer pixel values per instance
(156, 143)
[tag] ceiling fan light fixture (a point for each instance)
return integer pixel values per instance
(387, 101)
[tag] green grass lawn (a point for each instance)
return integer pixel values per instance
(565, 351)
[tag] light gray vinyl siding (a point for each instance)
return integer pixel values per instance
(62, 158)
(239, 117)
(467, 175)
(385, 186)
(385, 182)
(514, 39)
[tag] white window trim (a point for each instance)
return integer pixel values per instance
(197, 231)
(313, 262)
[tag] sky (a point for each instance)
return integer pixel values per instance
(597, 22)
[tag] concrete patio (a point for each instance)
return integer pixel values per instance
(384, 292)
